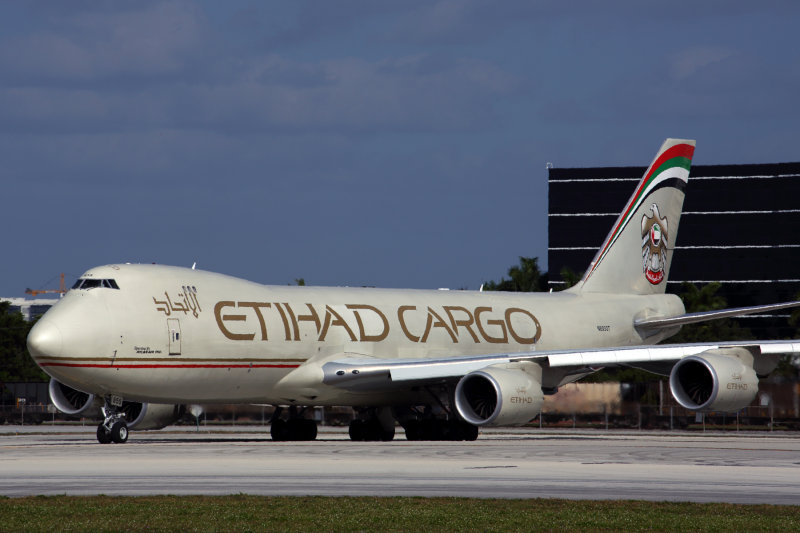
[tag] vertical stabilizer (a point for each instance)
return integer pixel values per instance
(636, 256)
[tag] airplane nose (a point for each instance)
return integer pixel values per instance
(44, 340)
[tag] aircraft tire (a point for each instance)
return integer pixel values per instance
(279, 430)
(440, 430)
(311, 430)
(413, 430)
(357, 430)
(386, 435)
(103, 436)
(370, 430)
(434, 429)
(119, 432)
(302, 429)
(466, 431)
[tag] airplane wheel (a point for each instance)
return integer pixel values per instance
(466, 431)
(302, 429)
(103, 436)
(310, 432)
(279, 430)
(370, 430)
(383, 434)
(119, 432)
(358, 430)
(433, 429)
(413, 430)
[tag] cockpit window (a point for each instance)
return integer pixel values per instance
(85, 283)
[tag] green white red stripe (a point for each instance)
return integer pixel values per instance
(672, 163)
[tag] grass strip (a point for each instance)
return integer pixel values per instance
(262, 513)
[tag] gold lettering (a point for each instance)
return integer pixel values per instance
(338, 321)
(311, 317)
(438, 323)
(523, 340)
(285, 321)
(295, 325)
(400, 312)
(499, 323)
(221, 322)
(466, 322)
(363, 337)
(257, 308)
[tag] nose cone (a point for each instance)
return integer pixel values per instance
(44, 340)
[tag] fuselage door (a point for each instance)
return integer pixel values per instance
(174, 327)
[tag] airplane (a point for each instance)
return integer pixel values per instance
(139, 342)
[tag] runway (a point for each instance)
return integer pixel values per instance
(735, 468)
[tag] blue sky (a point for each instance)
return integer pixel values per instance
(393, 144)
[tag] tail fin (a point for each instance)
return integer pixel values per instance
(636, 256)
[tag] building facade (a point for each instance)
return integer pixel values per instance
(30, 309)
(740, 227)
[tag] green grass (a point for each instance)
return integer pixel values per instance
(257, 513)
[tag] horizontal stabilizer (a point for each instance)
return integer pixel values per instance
(703, 316)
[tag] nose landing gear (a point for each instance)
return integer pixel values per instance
(113, 428)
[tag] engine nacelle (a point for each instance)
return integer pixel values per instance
(151, 415)
(74, 402)
(500, 395)
(138, 415)
(716, 380)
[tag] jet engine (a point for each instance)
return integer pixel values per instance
(500, 395)
(138, 415)
(151, 415)
(74, 402)
(715, 380)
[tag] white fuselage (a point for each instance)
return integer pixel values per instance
(177, 335)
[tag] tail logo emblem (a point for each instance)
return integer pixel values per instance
(655, 238)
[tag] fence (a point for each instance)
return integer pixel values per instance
(586, 405)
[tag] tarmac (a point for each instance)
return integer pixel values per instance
(734, 467)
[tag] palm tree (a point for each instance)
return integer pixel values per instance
(525, 277)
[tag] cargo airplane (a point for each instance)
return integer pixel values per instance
(140, 342)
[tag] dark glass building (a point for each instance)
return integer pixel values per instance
(740, 226)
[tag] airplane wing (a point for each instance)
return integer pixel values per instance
(693, 318)
(354, 373)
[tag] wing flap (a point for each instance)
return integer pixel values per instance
(660, 353)
(619, 356)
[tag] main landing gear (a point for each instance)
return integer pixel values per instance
(295, 428)
(427, 424)
(440, 429)
(113, 428)
(376, 424)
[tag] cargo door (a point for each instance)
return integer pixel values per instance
(174, 326)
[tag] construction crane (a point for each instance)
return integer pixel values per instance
(61, 289)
